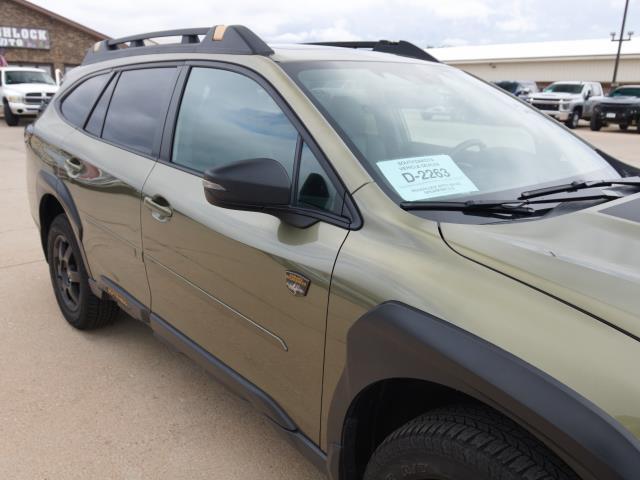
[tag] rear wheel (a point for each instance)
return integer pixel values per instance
(80, 307)
(573, 120)
(464, 442)
(596, 123)
(11, 119)
(623, 126)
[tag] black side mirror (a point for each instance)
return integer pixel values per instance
(255, 184)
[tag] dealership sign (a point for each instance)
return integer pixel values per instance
(21, 37)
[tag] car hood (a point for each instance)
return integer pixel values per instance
(621, 100)
(589, 258)
(32, 88)
(555, 96)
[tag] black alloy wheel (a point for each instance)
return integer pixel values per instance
(67, 274)
(70, 281)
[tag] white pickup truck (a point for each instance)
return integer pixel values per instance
(565, 101)
(23, 90)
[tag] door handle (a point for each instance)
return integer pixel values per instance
(162, 213)
(73, 166)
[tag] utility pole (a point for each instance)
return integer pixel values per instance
(620, 39)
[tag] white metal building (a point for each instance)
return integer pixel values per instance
(546, 62)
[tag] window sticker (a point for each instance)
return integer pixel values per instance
(420, 178)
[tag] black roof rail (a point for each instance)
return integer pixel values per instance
(401, 48)
(232, 39)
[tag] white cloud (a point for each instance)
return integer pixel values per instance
(454, 42)
(425, 22)
(517, 24)
(338, 31)
(456, 9)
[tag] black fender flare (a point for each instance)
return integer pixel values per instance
(394, 340)
(48, 184)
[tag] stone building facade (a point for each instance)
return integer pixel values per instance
(34, 36)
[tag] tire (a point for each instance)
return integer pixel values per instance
(596, 123)
(623, 126)
(573, 120)
(80, 307)
(11, 119)
(464, 442)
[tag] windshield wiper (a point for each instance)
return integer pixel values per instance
(513, 207)
(472, 205)
(575, 186)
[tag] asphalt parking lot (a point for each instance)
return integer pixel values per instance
(117, 403)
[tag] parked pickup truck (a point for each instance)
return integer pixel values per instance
(621, 106)
(23, 91)
(519, 88)
(565, 101)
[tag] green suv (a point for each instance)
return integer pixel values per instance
(413, 274)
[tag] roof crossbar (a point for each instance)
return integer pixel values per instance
(401, 48)
(233, 39)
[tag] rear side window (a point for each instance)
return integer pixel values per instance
(138, 106)
(226, 117)
(96, 119)
(76, 105)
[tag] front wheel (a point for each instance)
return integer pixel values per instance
(9, 117)
(464, 442)
(573, 120)
(80, 307)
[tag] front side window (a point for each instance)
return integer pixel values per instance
(17, 77)
(225, 117)
(428, 131)
(136, 111)
(315, 188)
(626, 92)
(76, 105)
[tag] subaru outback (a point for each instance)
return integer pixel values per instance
(411, 273)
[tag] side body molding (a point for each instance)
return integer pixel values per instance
(394, 341)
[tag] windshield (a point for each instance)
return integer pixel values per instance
(564, 88)
(427, 131)
(511, 87)
(25, 76)
(626, 92)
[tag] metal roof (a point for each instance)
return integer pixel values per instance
(537, 50)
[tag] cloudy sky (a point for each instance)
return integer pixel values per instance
(425, 22)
